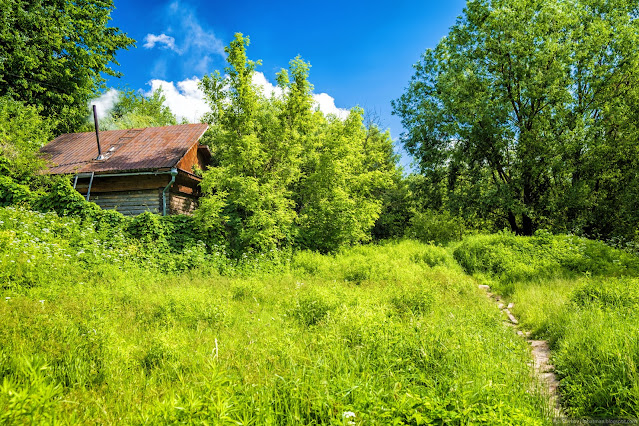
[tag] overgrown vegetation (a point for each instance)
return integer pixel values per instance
(524, 116)
(265, 307)
(99, 306)
(393, 333)
(285, 173)
(582, 296)
(54, 56)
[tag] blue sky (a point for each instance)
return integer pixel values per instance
(361, 52)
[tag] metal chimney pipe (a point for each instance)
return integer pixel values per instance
(97, 133)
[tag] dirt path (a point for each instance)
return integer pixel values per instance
(544, 370)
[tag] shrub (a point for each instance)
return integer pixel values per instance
(512, 258)
(12, 193)
(66, 201)
(431, 226)
(612, 293)
(310, 309)
(148, 228)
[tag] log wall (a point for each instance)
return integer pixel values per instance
(130, 203)
(133, 195)
(180, 203)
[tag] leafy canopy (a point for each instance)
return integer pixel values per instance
(286, 174)
(54, 53)
(135, 110)
(524, 115)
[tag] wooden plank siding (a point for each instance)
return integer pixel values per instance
(130, 203)
(189, 160)
(134, 194)
(179, 203)
(197, 155)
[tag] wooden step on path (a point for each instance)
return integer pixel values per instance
(542, 367)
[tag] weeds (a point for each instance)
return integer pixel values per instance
(395, 333)
(392, 333)
(582, 296)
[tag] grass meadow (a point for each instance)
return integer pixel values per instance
(396, 333)
(580, 295)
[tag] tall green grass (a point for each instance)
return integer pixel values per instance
(100, 326)
(583, 297)
(391, 334)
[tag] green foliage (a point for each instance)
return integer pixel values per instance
(579, 294)
(524, 116)
(395, 214)
(134, 110)
(337, 197)
(248, 200)
(411, 344)
(54, 54)
(63, 199)
(597, 361)
(609, 293)
(22, 133)
(284, 173)
(437, 227)
(147, 227)
(412, 301)
(12, 193)
(29, 394)
(310, 309)
(592, 328)
(510, 258)
(432, 256)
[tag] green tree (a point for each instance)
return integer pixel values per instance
(510, 112)
(339, 196)
(248, 199)
(22, 133)
(53, 54)
(284, 173)
(134, 110)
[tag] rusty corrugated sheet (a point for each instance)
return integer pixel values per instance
(151, 148)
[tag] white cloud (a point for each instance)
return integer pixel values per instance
(267, 88)
(105, 102)
(162, 40)
(185, 99)
(186, 36)
(326, 104)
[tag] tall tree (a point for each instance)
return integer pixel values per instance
(509, 111)
(285, 173)
(134, 110)
(53, 54)
(248, 199)
(340, 194)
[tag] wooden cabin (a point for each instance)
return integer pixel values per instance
(150, 169)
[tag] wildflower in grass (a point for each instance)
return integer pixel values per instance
(7, 298)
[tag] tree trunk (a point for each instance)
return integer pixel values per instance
(527, 225)
(512, 220)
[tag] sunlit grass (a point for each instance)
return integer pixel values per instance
(100, 331)
(582, 296)
(394, 333)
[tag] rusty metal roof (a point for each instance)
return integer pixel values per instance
(151, 148)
